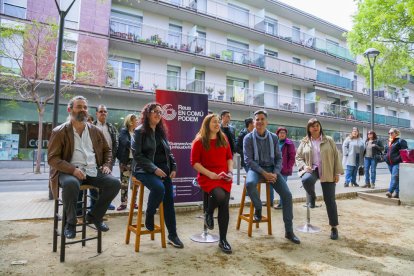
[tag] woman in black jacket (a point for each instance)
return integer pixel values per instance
(393, 160)
(373, 148)
(124, 155)
(155, 167)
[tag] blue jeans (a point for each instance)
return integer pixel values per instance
(395, 178)
(370, 165)
(160, 190)
(351, 174)
(253, 178)
(272, 192)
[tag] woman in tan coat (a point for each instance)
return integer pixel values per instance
(317, 158)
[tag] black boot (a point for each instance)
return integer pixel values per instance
(292, 237)
(257, 215)
(225, 246)
(209, 221)
(149, 222)
(334, 233)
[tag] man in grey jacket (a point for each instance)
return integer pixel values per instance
(264, 161)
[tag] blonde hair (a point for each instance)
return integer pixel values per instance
(128, 120)
(396, 131)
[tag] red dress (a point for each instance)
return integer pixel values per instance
(215, 160)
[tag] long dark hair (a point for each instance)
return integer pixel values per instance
(204, 134)
(374, 135)
(311, 122)
(161, 128)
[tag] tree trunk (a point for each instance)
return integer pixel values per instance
(41, 112)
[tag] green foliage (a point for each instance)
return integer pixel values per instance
(387, 25)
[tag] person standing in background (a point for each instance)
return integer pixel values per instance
(288, 150)
(111, 136)
(125, 157)
(239, 144)
(353, 151)
(373, 147)
(228, 130)
(393, 160)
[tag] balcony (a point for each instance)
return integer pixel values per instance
(219, 92)
(334, 79)
(221, 10)
(162, 38)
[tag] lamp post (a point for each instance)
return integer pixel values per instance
(371, 54)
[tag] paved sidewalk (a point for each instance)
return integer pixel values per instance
(36, 205)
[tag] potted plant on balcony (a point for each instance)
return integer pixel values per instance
(110, 73)
(210, 91)
(221, 95)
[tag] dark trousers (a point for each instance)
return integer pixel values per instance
(328, 189)
(107, 184)
(220, 198)
(160, 190)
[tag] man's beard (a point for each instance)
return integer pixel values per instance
(80, 116)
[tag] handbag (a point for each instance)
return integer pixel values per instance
(380, 157)
(361, 171)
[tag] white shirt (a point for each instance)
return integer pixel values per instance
(83, 155)
(105, 131)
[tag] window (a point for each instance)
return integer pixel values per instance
(333, 71)
(72, 18)
(16, 8)
(271, 26)
(296, 60)
(296, 34)
(199, 81)
(123, 73)
(201, 43)
(125, 25)
(270, 53)
(236, 90)
(174, 35)
(239, 51)
(271, 95)
(296, 100)
(12, 55)
(238, 14)
(173, 77)
(68, 60)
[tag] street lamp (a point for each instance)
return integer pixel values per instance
(371, 54)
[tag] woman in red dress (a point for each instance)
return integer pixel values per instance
(211, 157)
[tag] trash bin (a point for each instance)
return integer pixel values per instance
(406, 183)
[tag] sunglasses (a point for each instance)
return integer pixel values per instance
(157, 112)
(102, 111)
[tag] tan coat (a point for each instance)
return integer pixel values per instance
(331, 163)
(60, 151)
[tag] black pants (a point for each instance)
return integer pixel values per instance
(218, 197)
(328, 189)
(107, 184)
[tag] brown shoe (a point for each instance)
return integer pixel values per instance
(366, 186)
(388, 194)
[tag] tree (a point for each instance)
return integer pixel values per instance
(387, 25)
(29, 51)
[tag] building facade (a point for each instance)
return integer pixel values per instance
(244, 55)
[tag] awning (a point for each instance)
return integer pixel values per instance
(332, 91)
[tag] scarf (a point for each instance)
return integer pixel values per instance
(257, 136)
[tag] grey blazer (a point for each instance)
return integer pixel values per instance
(350, 148)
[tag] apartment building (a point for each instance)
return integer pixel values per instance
(244, 55)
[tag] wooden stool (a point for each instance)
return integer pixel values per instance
(58, 202)
(139, 228)
(249, 216)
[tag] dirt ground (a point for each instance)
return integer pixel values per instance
(374, 239)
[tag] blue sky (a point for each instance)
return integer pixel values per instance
(337, 12)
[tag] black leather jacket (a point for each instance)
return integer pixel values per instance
(114, 137)
(393, 153)
(144, 147)
(124, 146)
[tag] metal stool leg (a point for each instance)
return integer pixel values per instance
(308, 227)
(205, 237)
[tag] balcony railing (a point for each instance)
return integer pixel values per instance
(219, 51)
(220, 9)
(149, 81)
(334, 79)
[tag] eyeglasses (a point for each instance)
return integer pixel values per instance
(390, 133)
(158, 112)
(102, 111)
